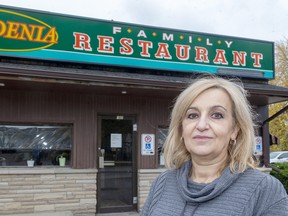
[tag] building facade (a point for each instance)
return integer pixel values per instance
(99, 94)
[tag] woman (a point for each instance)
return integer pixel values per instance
(208, 153)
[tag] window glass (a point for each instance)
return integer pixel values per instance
(43, 144)
(273, 155)
(284, 155)
(162, 134)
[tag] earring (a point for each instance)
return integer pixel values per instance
(233, 142)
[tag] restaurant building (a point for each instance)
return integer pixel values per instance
(99, 94)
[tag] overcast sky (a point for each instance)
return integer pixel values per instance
(256, 19)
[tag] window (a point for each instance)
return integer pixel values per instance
(162, 134)
(42, 143)
(284, 155)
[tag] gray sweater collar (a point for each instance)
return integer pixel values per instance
(208, 191)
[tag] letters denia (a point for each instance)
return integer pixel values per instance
(28, 32)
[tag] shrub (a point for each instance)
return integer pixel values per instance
(282, 175)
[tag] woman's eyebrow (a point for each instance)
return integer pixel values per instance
(192, 108)
(212, 107)
(219, 106)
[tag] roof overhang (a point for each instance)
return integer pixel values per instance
(260, 93)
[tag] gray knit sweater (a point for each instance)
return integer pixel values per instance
(251, 193)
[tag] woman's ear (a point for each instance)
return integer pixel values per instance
(235, 132)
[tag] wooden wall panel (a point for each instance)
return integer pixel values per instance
(82, 109)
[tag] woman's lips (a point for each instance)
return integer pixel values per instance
(201, 138)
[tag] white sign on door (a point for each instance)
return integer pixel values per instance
(116, 140)
(147, 144)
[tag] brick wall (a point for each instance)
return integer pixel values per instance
(39, 190)
(145, 179)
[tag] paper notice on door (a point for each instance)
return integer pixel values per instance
(116, 140)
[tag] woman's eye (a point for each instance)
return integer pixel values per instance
(192, 115)
(217, 115)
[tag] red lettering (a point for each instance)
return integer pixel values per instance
(126, 46)
(239, 58)
(257, 57)
(182, 51)
(220, 57)
(145, 47)
(105, 44)
(163, 51)
(201, 54)
(82, 41)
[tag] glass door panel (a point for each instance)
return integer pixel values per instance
(116, 168)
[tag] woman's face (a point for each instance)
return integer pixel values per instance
(208, 126)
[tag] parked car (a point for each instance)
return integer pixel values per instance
(279, 157)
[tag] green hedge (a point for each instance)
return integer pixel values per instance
(282, 175)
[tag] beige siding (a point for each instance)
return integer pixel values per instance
(37, 190)
(145, 180)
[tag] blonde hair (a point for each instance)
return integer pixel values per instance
(241, 154)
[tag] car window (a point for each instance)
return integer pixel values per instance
(274, 155)
(284, 155)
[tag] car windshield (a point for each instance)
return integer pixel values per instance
(273, 155)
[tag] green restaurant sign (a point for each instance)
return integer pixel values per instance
(47, 36)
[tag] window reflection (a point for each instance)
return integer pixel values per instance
(162, 135)
(43, 144)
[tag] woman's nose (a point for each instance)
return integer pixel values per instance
(203, 123)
